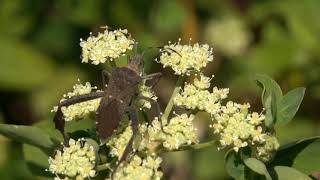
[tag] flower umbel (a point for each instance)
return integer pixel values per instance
(107, 45)
(235, 126)
(185, 58)
(76, 160)
(196, 96)
(79, 110)
(139, 168)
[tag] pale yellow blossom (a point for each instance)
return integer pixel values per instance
(75, 160)
(185, 58)
(105, 46)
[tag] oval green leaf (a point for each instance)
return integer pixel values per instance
(308, 160)
(268, 86)
(234, 165)
(258, 167)
(29, 135)
(289, 105)
(287, 173)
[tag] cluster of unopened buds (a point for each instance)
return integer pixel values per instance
(236, 127)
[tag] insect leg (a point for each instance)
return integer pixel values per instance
(58, 117)
(159, 113)
(135, 128)
(150, 76)
(155, 76)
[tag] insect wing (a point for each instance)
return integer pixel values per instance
(108, 117)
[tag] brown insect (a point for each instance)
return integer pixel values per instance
(116, 100)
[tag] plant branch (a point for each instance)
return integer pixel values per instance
(193, 147)
(168, 109)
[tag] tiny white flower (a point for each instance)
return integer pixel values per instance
(185, 58)
(76, 160)
(105, 46)
(79, 110)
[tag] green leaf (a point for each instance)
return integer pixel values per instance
(308, 161)
(84, 124)
(289, 105)
(48, 127)
(268, 86)
(271, 110)
(287, 173)
(37, 161)
(29, 135)
(258, 167)
(287, 153)
(234, 165)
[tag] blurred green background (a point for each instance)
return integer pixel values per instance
(40, 60)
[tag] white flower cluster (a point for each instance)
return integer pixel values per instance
(106, 45)
(76, 160)
(185, 58)
(238, 128)
(229, 35)
(179, 131)
(196, 96)
(138, 168)
(79, 110)
(146, 91)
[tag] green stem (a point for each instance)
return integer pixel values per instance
(193, 147)
(102, 167)
(106, 166)
(168, 109)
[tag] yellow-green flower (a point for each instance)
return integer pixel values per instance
(79, 110)
(75, 160)
(140, 169)
(185, 58)
(107, 45)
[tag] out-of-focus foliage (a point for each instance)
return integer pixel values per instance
(39, 61)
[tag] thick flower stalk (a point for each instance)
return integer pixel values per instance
(184, 59)
(79, 110)
(105, 46)
(77, 160)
